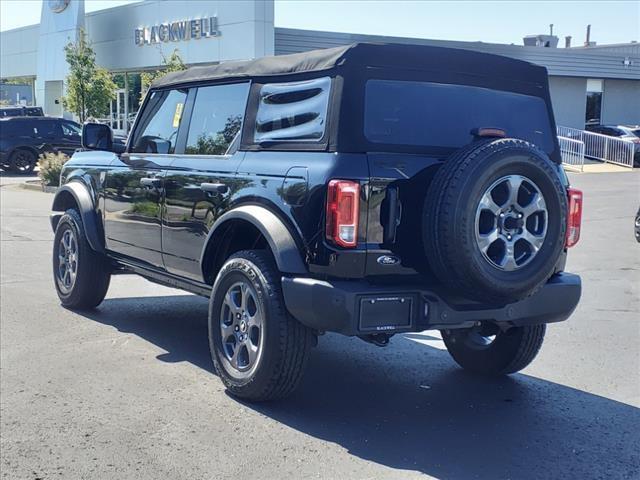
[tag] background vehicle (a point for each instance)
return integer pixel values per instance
(625, 132)
(356, 190)
(20, 111)
(23, 139)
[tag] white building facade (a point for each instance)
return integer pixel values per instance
(596, 84)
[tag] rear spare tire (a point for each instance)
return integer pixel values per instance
(495, 220)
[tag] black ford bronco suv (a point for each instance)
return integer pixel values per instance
(367, 190)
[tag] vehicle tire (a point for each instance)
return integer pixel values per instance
(22, 161)
(494, 352)
(81, 275)
(495, 220)
(258, 349)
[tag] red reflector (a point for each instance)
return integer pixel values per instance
(343, 206)
(490, 132)
(574, 218)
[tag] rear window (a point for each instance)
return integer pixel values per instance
(399, 112)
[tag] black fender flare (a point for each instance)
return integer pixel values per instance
(283, 246)
(87, 209)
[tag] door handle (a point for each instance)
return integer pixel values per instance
(214, 187)
(151, 182)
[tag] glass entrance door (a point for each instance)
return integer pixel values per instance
(118, 116)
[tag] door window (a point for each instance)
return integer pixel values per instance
(160, 121)
(217, 118)
(71, 129)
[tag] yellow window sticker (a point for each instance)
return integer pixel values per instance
(177, 115)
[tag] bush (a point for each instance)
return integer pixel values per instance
(50, 167)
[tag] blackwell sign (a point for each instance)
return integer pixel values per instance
(178, 31)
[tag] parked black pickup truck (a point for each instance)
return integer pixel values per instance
(367, 190)
(23, 139)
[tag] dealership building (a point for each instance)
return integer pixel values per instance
(589, 84)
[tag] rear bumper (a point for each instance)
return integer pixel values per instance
(358, 308)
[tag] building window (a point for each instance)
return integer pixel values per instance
(594, 101)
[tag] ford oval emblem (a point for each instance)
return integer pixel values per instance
(388, 260)
(58, 6)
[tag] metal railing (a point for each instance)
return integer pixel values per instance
(601, 147)
(572, 151)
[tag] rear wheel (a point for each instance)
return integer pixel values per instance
(81, 275)
(489, 351)
(258, 349)
(22, 161)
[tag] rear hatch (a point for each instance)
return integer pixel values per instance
(412, 125)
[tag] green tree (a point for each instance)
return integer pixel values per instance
(17, 81)
(219, 143)
(90, 88)
(173, 63)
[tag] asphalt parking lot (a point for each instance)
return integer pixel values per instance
(127, 391)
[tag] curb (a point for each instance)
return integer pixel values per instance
(38, 187)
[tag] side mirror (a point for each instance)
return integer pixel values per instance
(97, 136)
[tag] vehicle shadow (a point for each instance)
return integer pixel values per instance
(409, 407)
(25, 176)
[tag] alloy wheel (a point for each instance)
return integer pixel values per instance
(242, 327)
(22, 162)
(511, 222)
(67, 261)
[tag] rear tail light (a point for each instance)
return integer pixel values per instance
(574, 219)
(343, 198)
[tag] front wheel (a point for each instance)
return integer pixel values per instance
(489, 351)
(258, 349)
(81, 275)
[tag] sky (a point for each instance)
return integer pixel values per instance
(487, 21)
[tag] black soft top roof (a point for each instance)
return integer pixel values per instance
(362, 55)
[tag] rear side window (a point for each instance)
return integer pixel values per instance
(47, 128)
(441, 115)
(293, 112)
(217, 118)
(157, 131)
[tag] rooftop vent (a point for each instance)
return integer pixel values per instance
(588, 42)
(550, 41)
